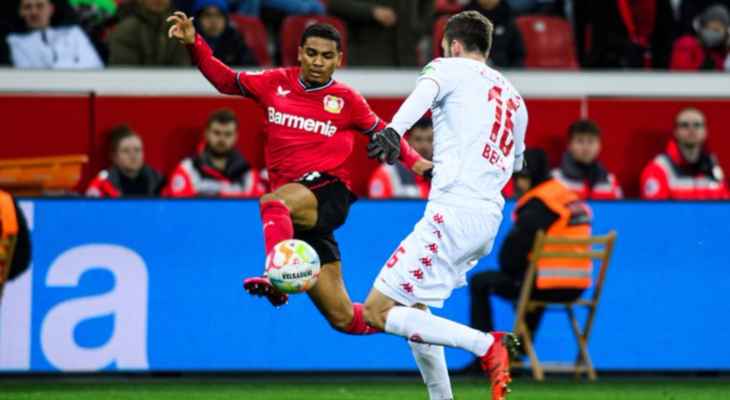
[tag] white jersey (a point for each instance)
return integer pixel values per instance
(479, 123)
(479, 133)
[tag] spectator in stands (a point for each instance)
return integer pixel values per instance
(687, 12)
(397, 181)
(686, 170)
(13, 223)
(624, 33)
(227, 43)
(580, 170)
(549, 206)
(288, 7)
(219, 170)
(128, 175)
(96, 17)
(384, 32)
(508, 50)
(708, 49)
(41, 45)
(141, 38)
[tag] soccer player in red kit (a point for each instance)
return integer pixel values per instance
(311, 123)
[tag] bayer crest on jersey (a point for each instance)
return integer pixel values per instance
(333, 104)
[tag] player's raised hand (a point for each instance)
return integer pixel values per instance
(182, 28)
(385, 145)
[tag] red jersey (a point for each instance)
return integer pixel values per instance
(307, 129)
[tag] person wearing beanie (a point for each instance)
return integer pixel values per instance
(708, 48)
(544, 204)
(508, 49)
(211, 20)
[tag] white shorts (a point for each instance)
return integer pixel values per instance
(433, 259)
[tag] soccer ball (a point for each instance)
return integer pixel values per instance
(292, 266)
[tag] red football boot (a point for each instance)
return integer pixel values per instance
(261, 286)
(495, 363)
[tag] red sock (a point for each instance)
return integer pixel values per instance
(277, 223)
(358, 326)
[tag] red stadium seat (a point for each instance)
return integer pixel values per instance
(448, 6)
(548, 42)
(438, 33)
(291, 33)
(254, 33)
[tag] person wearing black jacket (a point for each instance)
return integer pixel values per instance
(508, 49)
(227, 43)
(531, 217)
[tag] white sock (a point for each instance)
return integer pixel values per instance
(420, 326)
(432, 364)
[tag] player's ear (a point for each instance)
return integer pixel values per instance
(300, 50)
(340, 57)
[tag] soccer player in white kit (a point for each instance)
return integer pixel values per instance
(479, 130)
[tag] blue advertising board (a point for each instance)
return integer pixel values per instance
(156, 285)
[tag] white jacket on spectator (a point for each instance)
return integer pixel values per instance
(59, 47)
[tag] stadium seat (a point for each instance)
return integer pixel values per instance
(548, 42)
(43, 175)
(254, 33)
(438, 33)
(449, 6)
(583, 362)
(291, 33)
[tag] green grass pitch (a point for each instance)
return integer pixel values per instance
(367, 388)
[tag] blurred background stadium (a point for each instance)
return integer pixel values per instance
(132, 284)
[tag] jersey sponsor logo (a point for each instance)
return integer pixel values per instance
(333, 104)
(298, 122)
(433, 248)
(428, 69)
(281, 92)
(417, 273)
(438, 218)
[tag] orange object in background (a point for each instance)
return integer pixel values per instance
(41, 175)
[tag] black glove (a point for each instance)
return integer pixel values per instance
(385, 145)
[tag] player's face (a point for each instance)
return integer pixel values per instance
(585, 147)
(319, 58)
(221, 138)
(129, 156)
(690, 128)
(212, 21)
(421, 139)
(36, 13)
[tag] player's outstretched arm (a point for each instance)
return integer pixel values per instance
(386, 144)
(218, 74)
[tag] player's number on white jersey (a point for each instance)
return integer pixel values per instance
(500, 137)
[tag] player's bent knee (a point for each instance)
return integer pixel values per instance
(374, 316)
